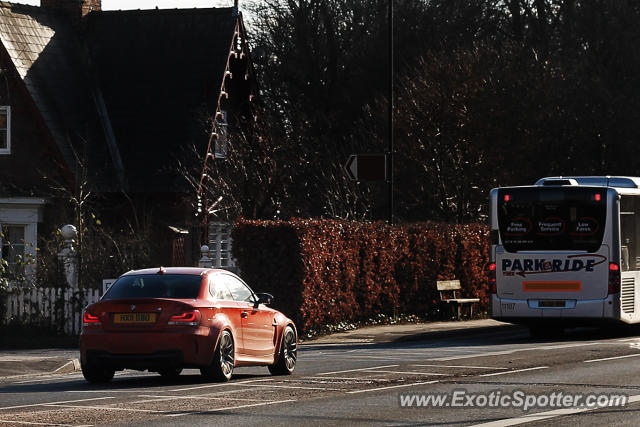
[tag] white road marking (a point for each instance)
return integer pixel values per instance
(215, 385)
(361, 379)
(391, 386)
(228, 408)
(413, 373)
(55, 403)
(108, 408)
(70, 362)
(435, 348)
(545, 415)
(356, 370)
(391, 358)
(427, 351)
(133, 390)
(612, 358)
(187, 397)
(292, 386)
(32, 423)
(159, 399)
(216, 395)
(533, 417)
(48, 378)
(504, 352)
(514, 371)
(460, 366)
(346, 342)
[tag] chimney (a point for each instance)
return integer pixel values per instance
(75, 9)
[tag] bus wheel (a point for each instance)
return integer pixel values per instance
(539, 331)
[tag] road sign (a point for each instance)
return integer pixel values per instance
(366, 167)
(106, 284)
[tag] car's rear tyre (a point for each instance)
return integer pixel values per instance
(221, 368)
(170, 373)
(288, 355)
(97, 374)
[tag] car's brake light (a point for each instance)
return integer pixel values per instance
(89, 319)
(188, 318)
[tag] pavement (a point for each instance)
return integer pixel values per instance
(17, 363)
(34, 362)
(381, 334)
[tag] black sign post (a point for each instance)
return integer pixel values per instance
(389, 175)
(378, 167)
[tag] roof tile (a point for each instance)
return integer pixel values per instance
(159, 72)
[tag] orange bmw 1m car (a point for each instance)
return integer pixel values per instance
(166, 319)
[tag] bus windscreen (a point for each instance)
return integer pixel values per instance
(547, 219)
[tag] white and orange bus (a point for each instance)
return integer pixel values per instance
(566, 252)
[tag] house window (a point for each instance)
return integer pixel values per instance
(5, 129)
(13, 248)
(221, 135)
(220, 244)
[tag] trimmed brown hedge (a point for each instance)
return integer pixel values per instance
(325, 271)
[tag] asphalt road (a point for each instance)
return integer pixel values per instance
(367, 383)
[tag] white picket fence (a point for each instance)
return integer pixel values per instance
(58, 308)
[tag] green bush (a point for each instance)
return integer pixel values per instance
(326, 271)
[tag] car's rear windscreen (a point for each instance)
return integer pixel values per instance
(547, 219)
(180, 286)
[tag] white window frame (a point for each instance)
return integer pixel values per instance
(7, 109)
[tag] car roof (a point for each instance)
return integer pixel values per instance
(194, 271)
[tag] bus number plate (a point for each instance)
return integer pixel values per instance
(554, 304)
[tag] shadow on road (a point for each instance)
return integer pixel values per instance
(485, 336)
(498, 336)
(120, 383)
(518, 334)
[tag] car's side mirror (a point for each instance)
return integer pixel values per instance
(263, 298)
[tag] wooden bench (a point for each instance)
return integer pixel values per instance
(448, 290)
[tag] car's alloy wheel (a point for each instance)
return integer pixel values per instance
(221, 368)
(286, 362)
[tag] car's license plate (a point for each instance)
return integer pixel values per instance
(551, 304)
(134, 318)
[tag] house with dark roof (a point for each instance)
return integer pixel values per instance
(114, 100)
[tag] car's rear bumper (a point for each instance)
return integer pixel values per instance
(130, 350)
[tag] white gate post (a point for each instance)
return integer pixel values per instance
(68, 255)
(205, 261)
